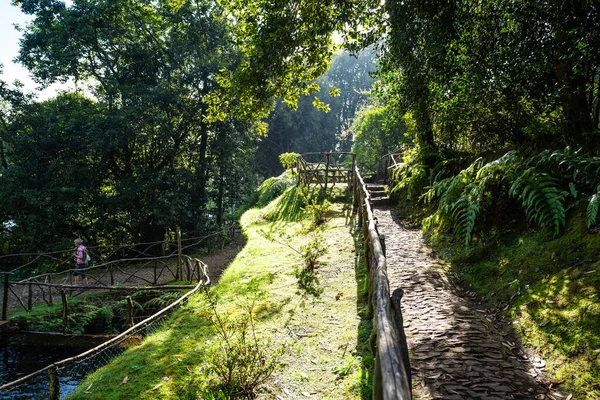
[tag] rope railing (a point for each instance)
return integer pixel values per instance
(391, 375)
(88, 361)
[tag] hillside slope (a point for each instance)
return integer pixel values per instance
(318, 319)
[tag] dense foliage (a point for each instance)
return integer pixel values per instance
(132, 155)
(308, 129)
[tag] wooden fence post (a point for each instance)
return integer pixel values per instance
(130, 307)
(352, 180)
(198, 270)
(326, 170)
(5, 298)
(155, 276)
(49, 291)
(179, 255)
(53, 383)
(29, 296)
(65, 310)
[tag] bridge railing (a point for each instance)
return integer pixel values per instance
(89, 361)
(326, 169)
(392, 375)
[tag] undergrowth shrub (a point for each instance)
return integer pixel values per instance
(288, 161)
(317, 212)
(273, 187)
(241, 360)
(542, 184)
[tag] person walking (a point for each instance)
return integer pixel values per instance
(81, 262)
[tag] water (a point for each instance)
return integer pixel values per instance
(18, 361)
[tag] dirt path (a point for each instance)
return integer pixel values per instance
(458, 349)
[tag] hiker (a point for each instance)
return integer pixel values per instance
(81, 262)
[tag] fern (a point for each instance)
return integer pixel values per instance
(542, 198)
(461, 199)
(465, 212)
(569, 165)
(592, 209)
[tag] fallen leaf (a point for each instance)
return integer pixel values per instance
(125, 380)
(157, 386)
(305, 394)
(189, 368)
(166, 378)
(87, 391)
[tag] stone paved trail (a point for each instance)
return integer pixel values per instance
(458, 350)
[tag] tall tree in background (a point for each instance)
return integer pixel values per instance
(308, 129)
(472, 77)
(149, 65)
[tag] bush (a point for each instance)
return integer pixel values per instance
(288, 160)
(273, 187)
(240, 360)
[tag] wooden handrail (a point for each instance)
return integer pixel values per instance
(391, 376)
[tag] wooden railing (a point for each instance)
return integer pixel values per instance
(387, 164)
(391, 375)
(325, 168)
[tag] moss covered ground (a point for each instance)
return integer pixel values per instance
(549, 288)
(318, 319)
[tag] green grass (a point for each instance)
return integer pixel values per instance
(550, 290)
(325, 333)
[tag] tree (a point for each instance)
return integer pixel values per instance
(51, 176)
(150, 65)
(375, 136)
(308, 129)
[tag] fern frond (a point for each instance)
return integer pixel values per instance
(542, 198)
(568, 164)
(592, 209)
(466, 209)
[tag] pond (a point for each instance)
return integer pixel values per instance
(17, 361)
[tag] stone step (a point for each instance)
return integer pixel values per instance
(378, 193)
(380, 201)
(376, 187)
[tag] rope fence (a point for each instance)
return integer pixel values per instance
(61, 378)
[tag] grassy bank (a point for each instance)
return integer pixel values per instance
(317, 320)
(548, 288)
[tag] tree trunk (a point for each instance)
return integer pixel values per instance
(201, 177)
(220, 193)
(424, 126)
(572, 88)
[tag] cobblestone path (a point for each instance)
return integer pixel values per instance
(458, 350)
